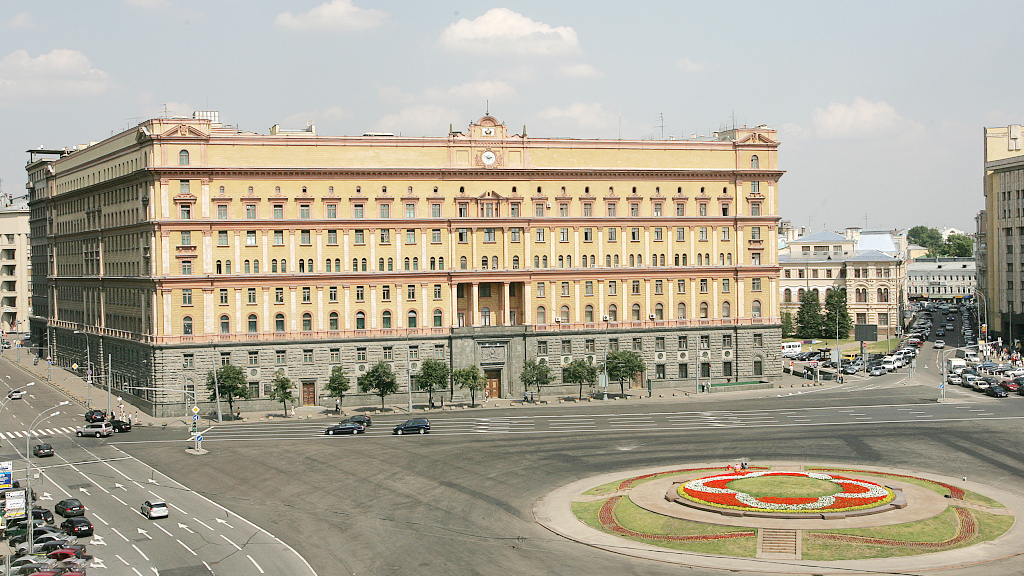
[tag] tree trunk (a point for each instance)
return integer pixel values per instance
(581, 390)
(430, 396)
(382, 403)
(285, 404)
(472, 397)
(622, 388)
(231, 407)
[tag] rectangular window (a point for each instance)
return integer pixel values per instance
(541, 289)
(186, 267)
(280, 357)
(540, 234)
(488, 234)
(385, 210)
(705, 370)
(435, 236)
(439, 351)
(360, 293)
(435, 210)
(385, 235)
(463, 235)
(463, 210)
(332, 294)
(755, 284)
(254, 358)
(304, 211)
(437, 291)
(222, 212)
(385, 292)
(634, 209)
(612, 288)
(702, 209)
(684, 370)
(703, 231)
(389, 353)
(659, 344)
(250, 211)
(705, 342)
(566, 346)
(410, 210)
(307, 356)
(538, 210)
(659, 371)
(358, 237)
(611, 209)
(251, 295)
(758, 340)
(680, 234)
(589, 346)
(279, 295)
(634, 234)
(186, 297)
(332, 236)
(658, 287)
(727, 341)
(755, 232)
(680, 209)
(588, 209)
(410, 292)
(361, 354)
(514, 234)
(357, 210)
(680, 286)
(223, 295)
(758, 368)
(657, 210)
(563, 234)
(222, 238)
(186, 211)
(703, 285)
(563, 210)
(588, 234)
(565, 288)
(335, 355)
(636, 287)
(683, 343)
(414, 352)
(307, 295)
(725, 233)
(638, 344)
(542, 347)
(188, 361)
(278, 211)
(589, 288)
(225, 358)
(186, 238)
(410, 236)
(727, 369)
(725, 285)
(250, 238)
(332, 210)
(657, 234)
(613, 234)
(613, 344)
(725, 209)
(278, 237)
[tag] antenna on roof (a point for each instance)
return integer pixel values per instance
(487, 108)
(661, 124)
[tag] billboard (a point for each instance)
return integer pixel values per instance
(14, 506)
(6, 472)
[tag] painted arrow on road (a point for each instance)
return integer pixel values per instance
(116, 486)
(185, 528)
(224, 522)
(144, 533)
(151, 481)
(83, 490)
(97, 563)
(97, 541)
(46, 496)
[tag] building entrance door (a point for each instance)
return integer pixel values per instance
(493, 388)
(308, 393)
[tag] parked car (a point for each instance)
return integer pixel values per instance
(77, 526)
(121, 425)
(996, 391)
(154, 509)
(42, 450)
(97, 429)
(69, 507)
(345, 428)
(359, 419)
(16, 394)
(852, 369)
(1011, 385)
(878, 371)
(954, 379)
(418, 425)
(45, 541)
(95, 416)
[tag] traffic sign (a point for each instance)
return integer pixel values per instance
(195, 417)
(88, 372)
(74, 366)
(199, 438)
(195, 409)
(941, 386)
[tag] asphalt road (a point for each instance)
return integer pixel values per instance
(459, 500)
(199, 536)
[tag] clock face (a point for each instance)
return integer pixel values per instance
(488, 131)
(488, 158)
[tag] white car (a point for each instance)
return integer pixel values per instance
(954, 379)
(939, 344)
(16, 394)
(154, 509)
(97, 429)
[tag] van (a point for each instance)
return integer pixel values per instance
(889, 363)
(791, 348)
(955, 364)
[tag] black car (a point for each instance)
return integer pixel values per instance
(996, 391)
(69, 507)
(359, 419)
(345, 428)
(77, 526)
(42, 450)
(418, 425)
(121, 425)
(95, 416)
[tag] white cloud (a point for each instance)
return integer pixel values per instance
(687, 65)
(60, 73)
(481, 89)
(419, 119)
(592, 115)
(174, 109)
(580, 70)
(862, 118)
(22, 20)
(333, 15)
(501, 30)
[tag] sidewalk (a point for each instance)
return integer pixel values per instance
(79, 391)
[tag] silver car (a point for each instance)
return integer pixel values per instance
(97, 429)
(154, 509)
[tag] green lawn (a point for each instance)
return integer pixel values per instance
(785, 487)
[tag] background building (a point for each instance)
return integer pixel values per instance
(183, 243)
(15, 268)
(1002, 291)
(941, 278)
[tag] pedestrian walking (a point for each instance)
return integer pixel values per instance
(337, 406)
(293, 411)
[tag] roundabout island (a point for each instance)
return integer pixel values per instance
(789, 517)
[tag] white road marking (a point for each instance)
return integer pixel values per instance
(118, 499)
(201, 523)
(185, 528)
(187, 548)
(230, 542)
(122, 560)
(255, 564)
(97, 516)
(118, 533)
(144, 533)
(141, 553)
(225, 522)
(136, 571)
(97, 541)
(164, 530)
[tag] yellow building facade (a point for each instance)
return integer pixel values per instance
(183, 243)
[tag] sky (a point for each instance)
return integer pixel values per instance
(879, 106)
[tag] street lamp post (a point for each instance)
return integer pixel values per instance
(28, 467)
(88, 366)
(216, 386)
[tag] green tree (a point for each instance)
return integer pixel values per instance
(957, 246)
(380, 380)
(230, 383)
(471, 379)
(338, 384)
(623, 365)
(536, 374)
(808, 317)
(787, 323)
(433, 375)
(835, 311)
(580, 372)
(930, 238)
(282, 390)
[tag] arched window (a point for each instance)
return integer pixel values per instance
(225, 324)
(407, 263)
(593, 259)
(440, 263)
(494, 262)
(631, 261)
(307, 322)
(659, 311)
(385, 319)
(800, 295)
(337, 265)
(245, 266)
(588, 313)
(616, 260)
(463, 263)
(662, 259)
(253, 324)
(219, 267)
(433, 263)
(411, 319)
(186, 325)
(613, 313)
(302, 265)
(380, 265)
(483, 262)
(183, 158)
(728, 258)
(654, 259)
(636, 312)
(273, 265)
(415, 263)
(568, 261)
(700, 259)
(542, 317)
(703, 309)
(754, 162)
(544, 261)
(721, 259)
(607, 260)
(561, 262)
(726, 310)
(284, 266)
(355, 264)
(438, 317)
(681, 310)
(515, 262)
(309, 266)
(583, 264)
(279, 322)
(565, 313)
(639, 259)
(362, 264)
(536, 261)
(332, 321)
(755, 309)
(485, 316)
(360, 320)
(327, 264)
(391, 264)
(707, 259)
(684, 260)
(227, 266)
(787, 295)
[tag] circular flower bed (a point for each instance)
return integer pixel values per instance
(855, 494)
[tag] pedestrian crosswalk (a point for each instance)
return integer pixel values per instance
(40, 432)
